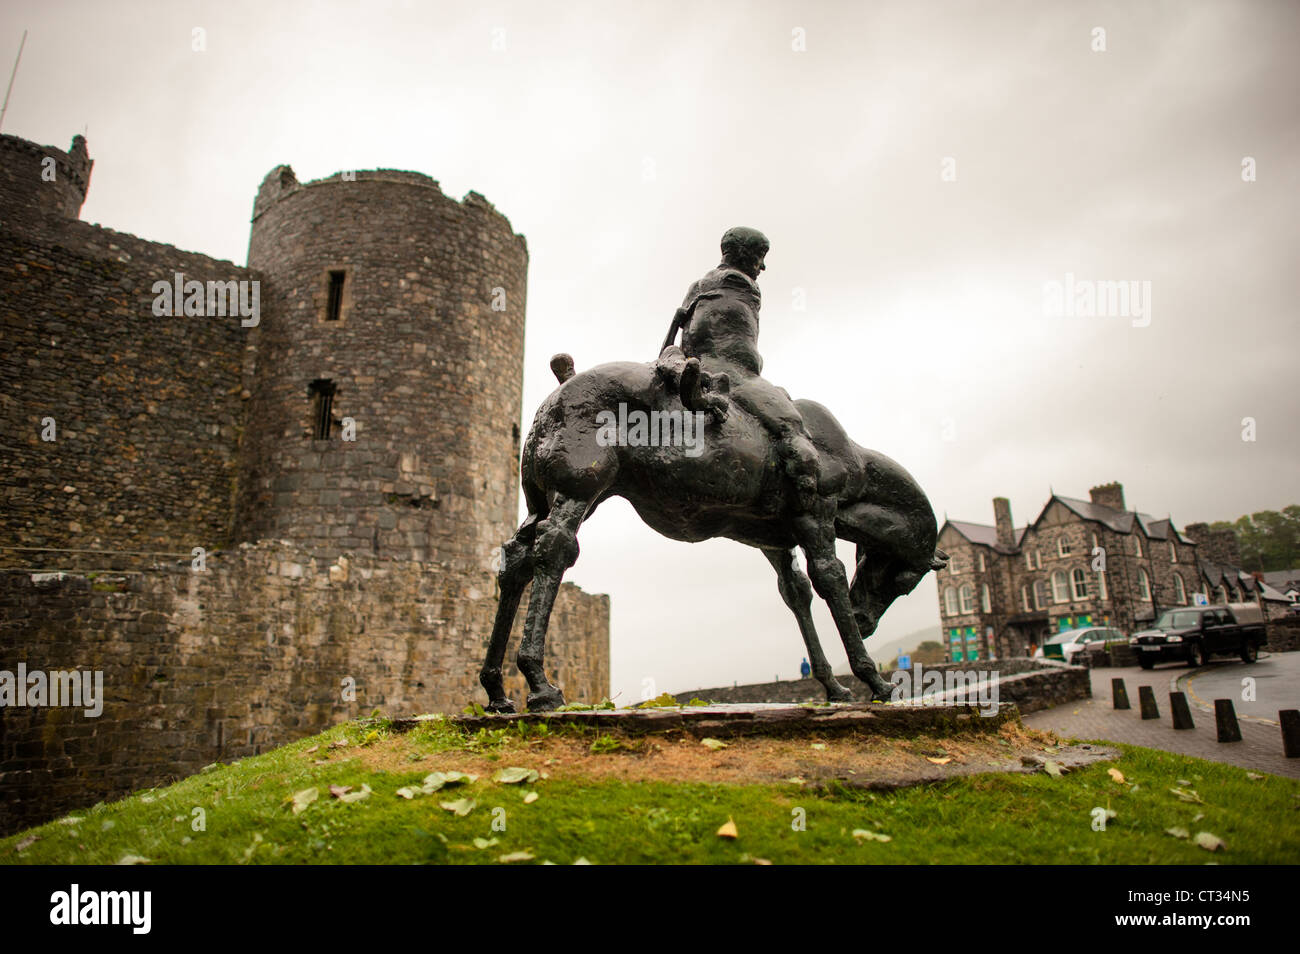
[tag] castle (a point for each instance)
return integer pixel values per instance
(1080, 563)
(254, 522)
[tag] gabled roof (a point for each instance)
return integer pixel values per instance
(984, 535)
(1282, 579)
(1121, 521)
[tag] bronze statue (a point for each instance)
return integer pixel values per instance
(703, 446)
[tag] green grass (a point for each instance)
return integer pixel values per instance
(1011, 819)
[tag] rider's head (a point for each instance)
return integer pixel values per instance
(744, 249)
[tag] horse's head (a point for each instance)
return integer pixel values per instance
(878, 582)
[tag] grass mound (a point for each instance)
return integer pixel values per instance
(363, 794)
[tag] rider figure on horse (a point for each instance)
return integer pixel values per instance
(719, 352)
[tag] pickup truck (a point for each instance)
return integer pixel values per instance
(1194, 634)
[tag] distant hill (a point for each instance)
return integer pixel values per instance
(884, 652)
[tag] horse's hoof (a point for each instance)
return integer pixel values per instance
(500, 707)
(881, 691)
(546, 700)
(838, 693)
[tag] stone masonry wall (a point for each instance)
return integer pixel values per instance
(422, 362)
(251, 653)
(146, 409)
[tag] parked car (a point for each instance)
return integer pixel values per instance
(1068, 644)
(1196, 634)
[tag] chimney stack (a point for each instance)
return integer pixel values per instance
(1109, 495)
(1006, 535)
(1214, 546)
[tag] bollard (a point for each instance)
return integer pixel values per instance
(1225, 721)
(1182, 713)
(1119, 694)
(1290, 720)
(1147, 702)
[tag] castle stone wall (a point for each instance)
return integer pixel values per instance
(147, 410)
(251, 653)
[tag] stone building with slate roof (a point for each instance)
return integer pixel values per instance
(1079, 563)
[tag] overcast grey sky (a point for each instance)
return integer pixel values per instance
(623, 139)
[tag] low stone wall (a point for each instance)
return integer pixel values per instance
(258, 649)
(1032, 684)
(1283, 634)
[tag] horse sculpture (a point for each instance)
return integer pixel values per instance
(726, 482)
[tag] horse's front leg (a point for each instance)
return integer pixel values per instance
(816, 535)
(797, 593)
(555, 549)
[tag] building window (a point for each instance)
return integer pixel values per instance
(1102, 592)
(322, 392)
(986, 604)
(1038, 559)
(1173, 552)
(967, 598)
(1024, 598)
(334, 297)
(1062, 547)
(1029, 560)
(1060, 587)
(1040, 594)
(1080, 581)
(1221, 594)
(1144, 585)
(1180, 591)
(950, 601)
(981, 556)
(1137, 546)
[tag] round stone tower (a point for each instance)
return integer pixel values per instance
(39, 183)
(388, 358)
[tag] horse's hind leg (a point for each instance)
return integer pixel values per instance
(512, 577)
(797, 593)
(555, 549)
(816, 535)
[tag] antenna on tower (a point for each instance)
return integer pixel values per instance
(5, 108)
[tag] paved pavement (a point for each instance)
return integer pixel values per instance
(1276, 686)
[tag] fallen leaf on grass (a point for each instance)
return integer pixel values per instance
(819, 746)
(795, 780)
(1187, 795)
(861, 834)
(1177, 832)
(461, 806)
(728, 830)
(27, 842)
(713, 744)
(132, 860)
(1053, 769)
(1210, 842)
(1253, 776)
(483, 843)
(346, 796)
(530, 798)
(1116, 774)
(304, 798)
(311, 750)
(515, 774)
(943, 761)
(516, 856)
(435, 781)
